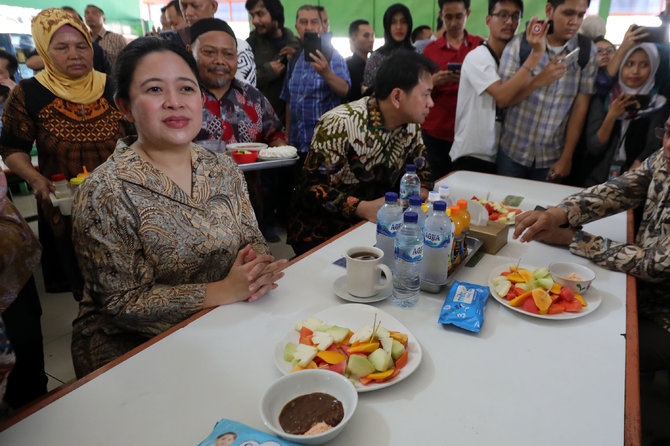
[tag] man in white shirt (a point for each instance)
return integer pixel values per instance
(481, 92)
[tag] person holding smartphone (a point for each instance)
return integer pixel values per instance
(620, 123)
(448, 52)
(540, 133)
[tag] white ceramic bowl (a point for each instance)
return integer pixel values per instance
(560, 270)
(301, 383)
(246, 146)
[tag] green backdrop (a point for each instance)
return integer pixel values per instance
(126, 12)
(424, 12)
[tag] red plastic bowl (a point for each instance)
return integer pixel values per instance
(244, 158)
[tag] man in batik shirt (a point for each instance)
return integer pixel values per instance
(647, 258)
(234, 111)
(360, 150)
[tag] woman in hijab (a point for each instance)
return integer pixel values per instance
(68, 110)
(397, 29)
(619, 124)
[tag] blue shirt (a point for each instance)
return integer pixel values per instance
(309, 96)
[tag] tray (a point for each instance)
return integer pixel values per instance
(271, 164)
(473, 245)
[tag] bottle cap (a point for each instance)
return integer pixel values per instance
(454, 210)
(463, 204)
(410, 168)
(76, 181)
(444, 191)
(410, 217)
(58, 177)
(433, 195)
(415, 200)
(440, 206)
(391, 197)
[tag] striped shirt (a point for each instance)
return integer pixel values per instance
(534, 129)
(112, 43)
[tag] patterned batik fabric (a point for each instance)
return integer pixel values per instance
(147, 250)
(68, 135)
(534, 130)
(648, 258)
(353, 157)
(243, 114)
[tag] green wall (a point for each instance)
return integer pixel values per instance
(126, 12)
(424, 12)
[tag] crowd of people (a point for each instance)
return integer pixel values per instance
(167, 225)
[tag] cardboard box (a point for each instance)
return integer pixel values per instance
(493, 236)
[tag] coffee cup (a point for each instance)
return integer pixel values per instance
(364, 264)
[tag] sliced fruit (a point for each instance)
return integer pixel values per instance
(546, 282)
(526, 274)
(402, 361)
(360, 366)
(363, 334)
(289, 350)
(400, 337)
(542, 300)
(581, 300)
(340, 367)
(519, 300)
(304, 354)
(380, 360)
(572, 306)
(338, 333)
(556, 308)
(331, 357)
(516, 278)
(322, 340)
(498, 279)
(567, 294)
(364, 347)
(397, 350)
(539, 273)
(556, 288)
(381, 375)
(502, 288)
(306, 336)
(529, 306)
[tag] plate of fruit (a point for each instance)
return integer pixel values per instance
(498, 211)
(369, 346)
(532, 291)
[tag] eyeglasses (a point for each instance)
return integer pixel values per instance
(504, 15)
(662, 132)
(606, 51)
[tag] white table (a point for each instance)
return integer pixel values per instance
(521, 381)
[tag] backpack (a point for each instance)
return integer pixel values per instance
(584, 50)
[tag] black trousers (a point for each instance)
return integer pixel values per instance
(27, 381)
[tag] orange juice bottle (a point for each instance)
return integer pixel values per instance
(463, 205)
(457, 218)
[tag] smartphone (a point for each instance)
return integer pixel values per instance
(538, 26)
(283, 59)
(643, 101)
(657, 34)
(453, 66)
(312, 43)
(4, 90)
(571, 57)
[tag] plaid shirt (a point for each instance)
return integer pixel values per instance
(112, 43)
(534, 130)
(243, 114)
(309, 96)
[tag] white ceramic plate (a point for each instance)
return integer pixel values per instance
(354, 316)
(591, 297)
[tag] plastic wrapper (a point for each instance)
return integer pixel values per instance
(464, 306)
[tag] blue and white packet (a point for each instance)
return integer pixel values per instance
(464, 306)
(242, 435)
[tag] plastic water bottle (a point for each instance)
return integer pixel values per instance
(408, 256)
(410, 184)
(433, 196)
(415, 206)
(389, 220)
(437, 245)
(444, 195)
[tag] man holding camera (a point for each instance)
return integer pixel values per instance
(314, 84)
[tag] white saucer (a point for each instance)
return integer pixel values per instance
(340, 288)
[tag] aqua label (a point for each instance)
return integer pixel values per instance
(412, 255)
